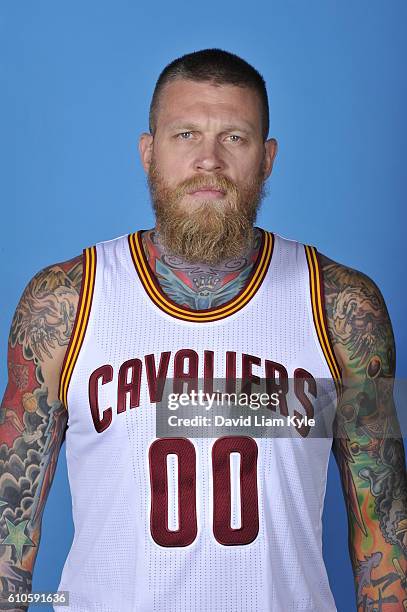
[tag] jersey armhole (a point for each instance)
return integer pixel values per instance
(319, 316)
(80, 323)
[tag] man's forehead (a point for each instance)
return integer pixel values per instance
(198, 102)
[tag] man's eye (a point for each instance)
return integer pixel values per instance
(184, 135)
(236, 137)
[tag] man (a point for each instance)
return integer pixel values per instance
(205, 523)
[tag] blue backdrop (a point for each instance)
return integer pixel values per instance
(76, 81)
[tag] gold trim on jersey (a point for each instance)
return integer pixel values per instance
(81, 322)
(156, 294)
(319, 315)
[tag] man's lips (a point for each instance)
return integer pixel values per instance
(207, 192)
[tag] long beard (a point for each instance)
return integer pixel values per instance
(209, 232)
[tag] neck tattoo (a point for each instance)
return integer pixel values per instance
(194, 285)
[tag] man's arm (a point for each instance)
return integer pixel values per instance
(32, 419)
(368, 446)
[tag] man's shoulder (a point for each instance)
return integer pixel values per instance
(44, 318)
(69, 273)
(47, 307)
(338, 276)
(61, 273)
(358, 321)
(55, 277)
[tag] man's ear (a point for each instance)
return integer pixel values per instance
(270, 152)
(145, 147)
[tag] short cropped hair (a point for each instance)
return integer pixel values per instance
(216, 66)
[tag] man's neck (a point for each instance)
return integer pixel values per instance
(195, 285)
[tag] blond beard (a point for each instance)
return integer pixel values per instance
(213, 231)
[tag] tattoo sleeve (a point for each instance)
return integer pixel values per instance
(368, 446)
(32, 419)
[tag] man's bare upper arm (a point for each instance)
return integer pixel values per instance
(32, 418)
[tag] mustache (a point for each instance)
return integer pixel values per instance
(219, 182)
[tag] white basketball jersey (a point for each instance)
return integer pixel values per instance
(192, 524)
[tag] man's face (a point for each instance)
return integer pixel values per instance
(207, 165)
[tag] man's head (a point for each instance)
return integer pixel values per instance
(207, 155)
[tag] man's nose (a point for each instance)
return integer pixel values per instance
(208, 156)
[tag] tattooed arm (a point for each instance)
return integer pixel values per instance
(368, 446)
(32, 419)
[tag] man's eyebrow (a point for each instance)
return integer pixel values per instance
(187, 125)
(178, 125)
(244, 127)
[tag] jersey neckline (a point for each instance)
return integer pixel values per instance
(152, 287)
